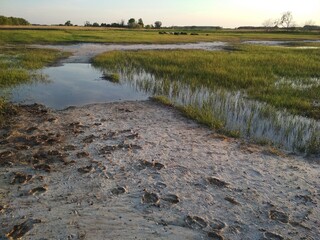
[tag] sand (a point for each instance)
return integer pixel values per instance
(140, 170)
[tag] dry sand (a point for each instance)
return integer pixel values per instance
(140, 170)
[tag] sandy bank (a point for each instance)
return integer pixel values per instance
(139, 170)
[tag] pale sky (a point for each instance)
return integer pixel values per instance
(225, 13)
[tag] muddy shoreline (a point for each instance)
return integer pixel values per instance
(140, 170)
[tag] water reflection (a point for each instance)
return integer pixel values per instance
(252, 119)
(73, 84)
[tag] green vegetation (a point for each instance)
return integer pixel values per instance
(17, 66)
(53, 35)
(111, 77)
(283, 77)
(13, 21)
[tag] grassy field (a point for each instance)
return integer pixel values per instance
(283, 77)
(17, 66)
(101, 35)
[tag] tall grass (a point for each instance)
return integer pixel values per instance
(255, 70)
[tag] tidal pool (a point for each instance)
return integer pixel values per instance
(73, 84)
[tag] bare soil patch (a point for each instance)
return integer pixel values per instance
(139, 170)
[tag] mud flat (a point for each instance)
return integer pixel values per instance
(140, 170)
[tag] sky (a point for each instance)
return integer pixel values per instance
(225, 13)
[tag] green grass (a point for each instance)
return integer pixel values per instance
(252, 69)
(78, 35)
(18, 65)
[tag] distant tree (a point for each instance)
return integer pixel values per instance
(140, 23)
(87, 24)
(286, 20)
(148, 26)
(121, 23)
(95, 24)
(157, 24)
(132, 23)
(68, 23)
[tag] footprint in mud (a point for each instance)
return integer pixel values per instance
(21, 178)
(6, 158)
(125, 110)
(82, 154)
(171, 198)
(89, 139)
(119, 190)
(143, 164)
(272, 236)
(38, 190)
(52, 119)
(305, 199)
(215, 236)
(150, 198)
(195, 222)
(160, 185)
(279, 216)
(43, 167)
(232, 200)
(217, 182)
(21, 147)
(20, 230)
(85, 169)
(76, 127)
(52, 156)
(69, 148)
(217, 225)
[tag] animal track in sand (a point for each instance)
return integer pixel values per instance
(279, 216)
(21, 178)
(44, 167)
(215, 236)
(85, 169)
(119, 190)
(195, 222)
(151, 198)
(38, 190)
(20, 230)
(171, 198)
(217, 182)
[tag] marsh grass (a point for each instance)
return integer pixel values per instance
(253, 69)
(236, 92)
(102, 35)
(111, 77)
(18, 65)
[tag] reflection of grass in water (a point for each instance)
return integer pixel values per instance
(18, 65)
(213, 87)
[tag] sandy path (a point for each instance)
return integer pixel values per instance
(139, 170)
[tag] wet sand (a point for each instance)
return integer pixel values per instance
(140, 170)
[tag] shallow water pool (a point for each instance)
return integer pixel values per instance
(74, 84)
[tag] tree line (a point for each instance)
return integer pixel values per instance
(13, 21)
(132, 23)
